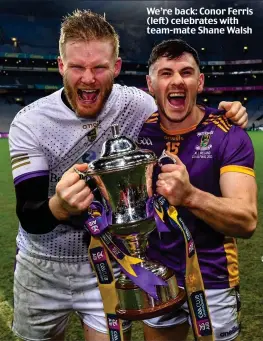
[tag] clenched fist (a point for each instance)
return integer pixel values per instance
(72, 196)
(173, 183)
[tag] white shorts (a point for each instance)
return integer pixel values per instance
(224, 305)
(46, 292)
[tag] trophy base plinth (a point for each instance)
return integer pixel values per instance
(147, 313)
(136, 304)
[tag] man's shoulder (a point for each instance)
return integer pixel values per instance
(216, 120)
(226, 137)
(133, 93)
(151, 126)
(39, 109)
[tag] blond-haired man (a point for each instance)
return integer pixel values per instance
(47, 138)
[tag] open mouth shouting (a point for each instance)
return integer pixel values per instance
(177, 99)
(86, 96)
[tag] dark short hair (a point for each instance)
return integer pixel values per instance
(172, 49)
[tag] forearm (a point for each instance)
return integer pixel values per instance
(57, 211)
(36, 217)
(231, 216)
(32, 206)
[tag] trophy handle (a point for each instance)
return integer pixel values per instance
(165, 159)
(94, 186)
(97, 190)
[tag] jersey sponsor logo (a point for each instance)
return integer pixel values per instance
(91, 125)
(232, 331)
(144, 141)
(176, 138)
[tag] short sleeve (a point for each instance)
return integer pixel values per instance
(236, 152)
(27, 157)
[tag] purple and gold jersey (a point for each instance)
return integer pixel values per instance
(209, 149)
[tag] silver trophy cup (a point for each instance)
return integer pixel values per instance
(123, 172)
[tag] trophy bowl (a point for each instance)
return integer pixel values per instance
(123, 170)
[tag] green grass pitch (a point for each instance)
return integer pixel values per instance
(250, 257)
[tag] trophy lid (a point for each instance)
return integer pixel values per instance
(118, 153)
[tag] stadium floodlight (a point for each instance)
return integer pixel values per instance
(14, 40)
(202, 48)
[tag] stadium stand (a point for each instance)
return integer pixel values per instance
(8, 111)
(28, 66)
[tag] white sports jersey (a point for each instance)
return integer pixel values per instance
(47, 138)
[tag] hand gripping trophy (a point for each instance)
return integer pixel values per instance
(122, 172)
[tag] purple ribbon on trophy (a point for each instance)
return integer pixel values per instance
(152, 205)
(97, 223)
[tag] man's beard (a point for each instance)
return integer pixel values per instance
(72, 95)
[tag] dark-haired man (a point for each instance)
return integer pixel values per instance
(53, 276)
(212, 185)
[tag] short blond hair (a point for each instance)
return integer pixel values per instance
(84, 25)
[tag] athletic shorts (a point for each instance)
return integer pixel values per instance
(224, 309)
(46, 292)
